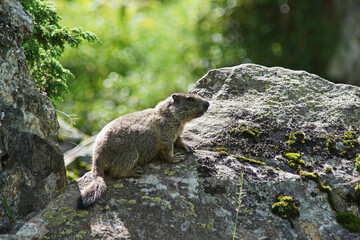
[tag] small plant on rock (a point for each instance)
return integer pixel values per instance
(286, 207)
(295, 161)
(239, 201)
(357, 163)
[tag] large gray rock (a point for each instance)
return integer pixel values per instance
(253, 112)
(32, 169)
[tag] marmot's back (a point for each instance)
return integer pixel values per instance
(131, 132)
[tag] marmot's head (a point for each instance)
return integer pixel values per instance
(189, 106)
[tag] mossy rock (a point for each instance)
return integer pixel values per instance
(331, 144)
(315, 176)
(286, 207)
(221, 151)
(295, 161)
(296, 138)
(249, 160)
(357, 163)
(349, 221)
(247, 132)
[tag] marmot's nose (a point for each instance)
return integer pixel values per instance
(207, 104)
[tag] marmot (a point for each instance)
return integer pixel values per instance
(132, 140)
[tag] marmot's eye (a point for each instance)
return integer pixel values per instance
(190, 99)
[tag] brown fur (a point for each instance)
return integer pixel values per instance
(135, 139)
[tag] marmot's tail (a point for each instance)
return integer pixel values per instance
(92, 192)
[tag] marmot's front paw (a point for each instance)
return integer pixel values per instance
(178, 157)
(188, 148)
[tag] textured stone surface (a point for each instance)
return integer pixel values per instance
(31, 164)
(277, 102)
(253, 111)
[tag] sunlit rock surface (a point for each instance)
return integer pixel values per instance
(270, 125)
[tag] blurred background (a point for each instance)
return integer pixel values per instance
(152, 48)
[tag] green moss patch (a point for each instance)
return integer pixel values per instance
(327, 170)
(350, 143)
(171, 172)
(221, 151)
(60, 216)
(331, 144)
(156, 200)
(316, 177)
(295, 161)
(191, 212)
(350, 135)
(349, 221)
(357, 163)
(296, 138)
(286, 207)
(248, 132)
(244, 159)
(357, 188)
(118, 185)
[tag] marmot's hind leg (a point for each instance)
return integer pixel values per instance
(126, 166)
(135, 172)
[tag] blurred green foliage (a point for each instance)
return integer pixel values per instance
(46, 46)
(152, 48)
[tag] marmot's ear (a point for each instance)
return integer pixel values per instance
(175, 97)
